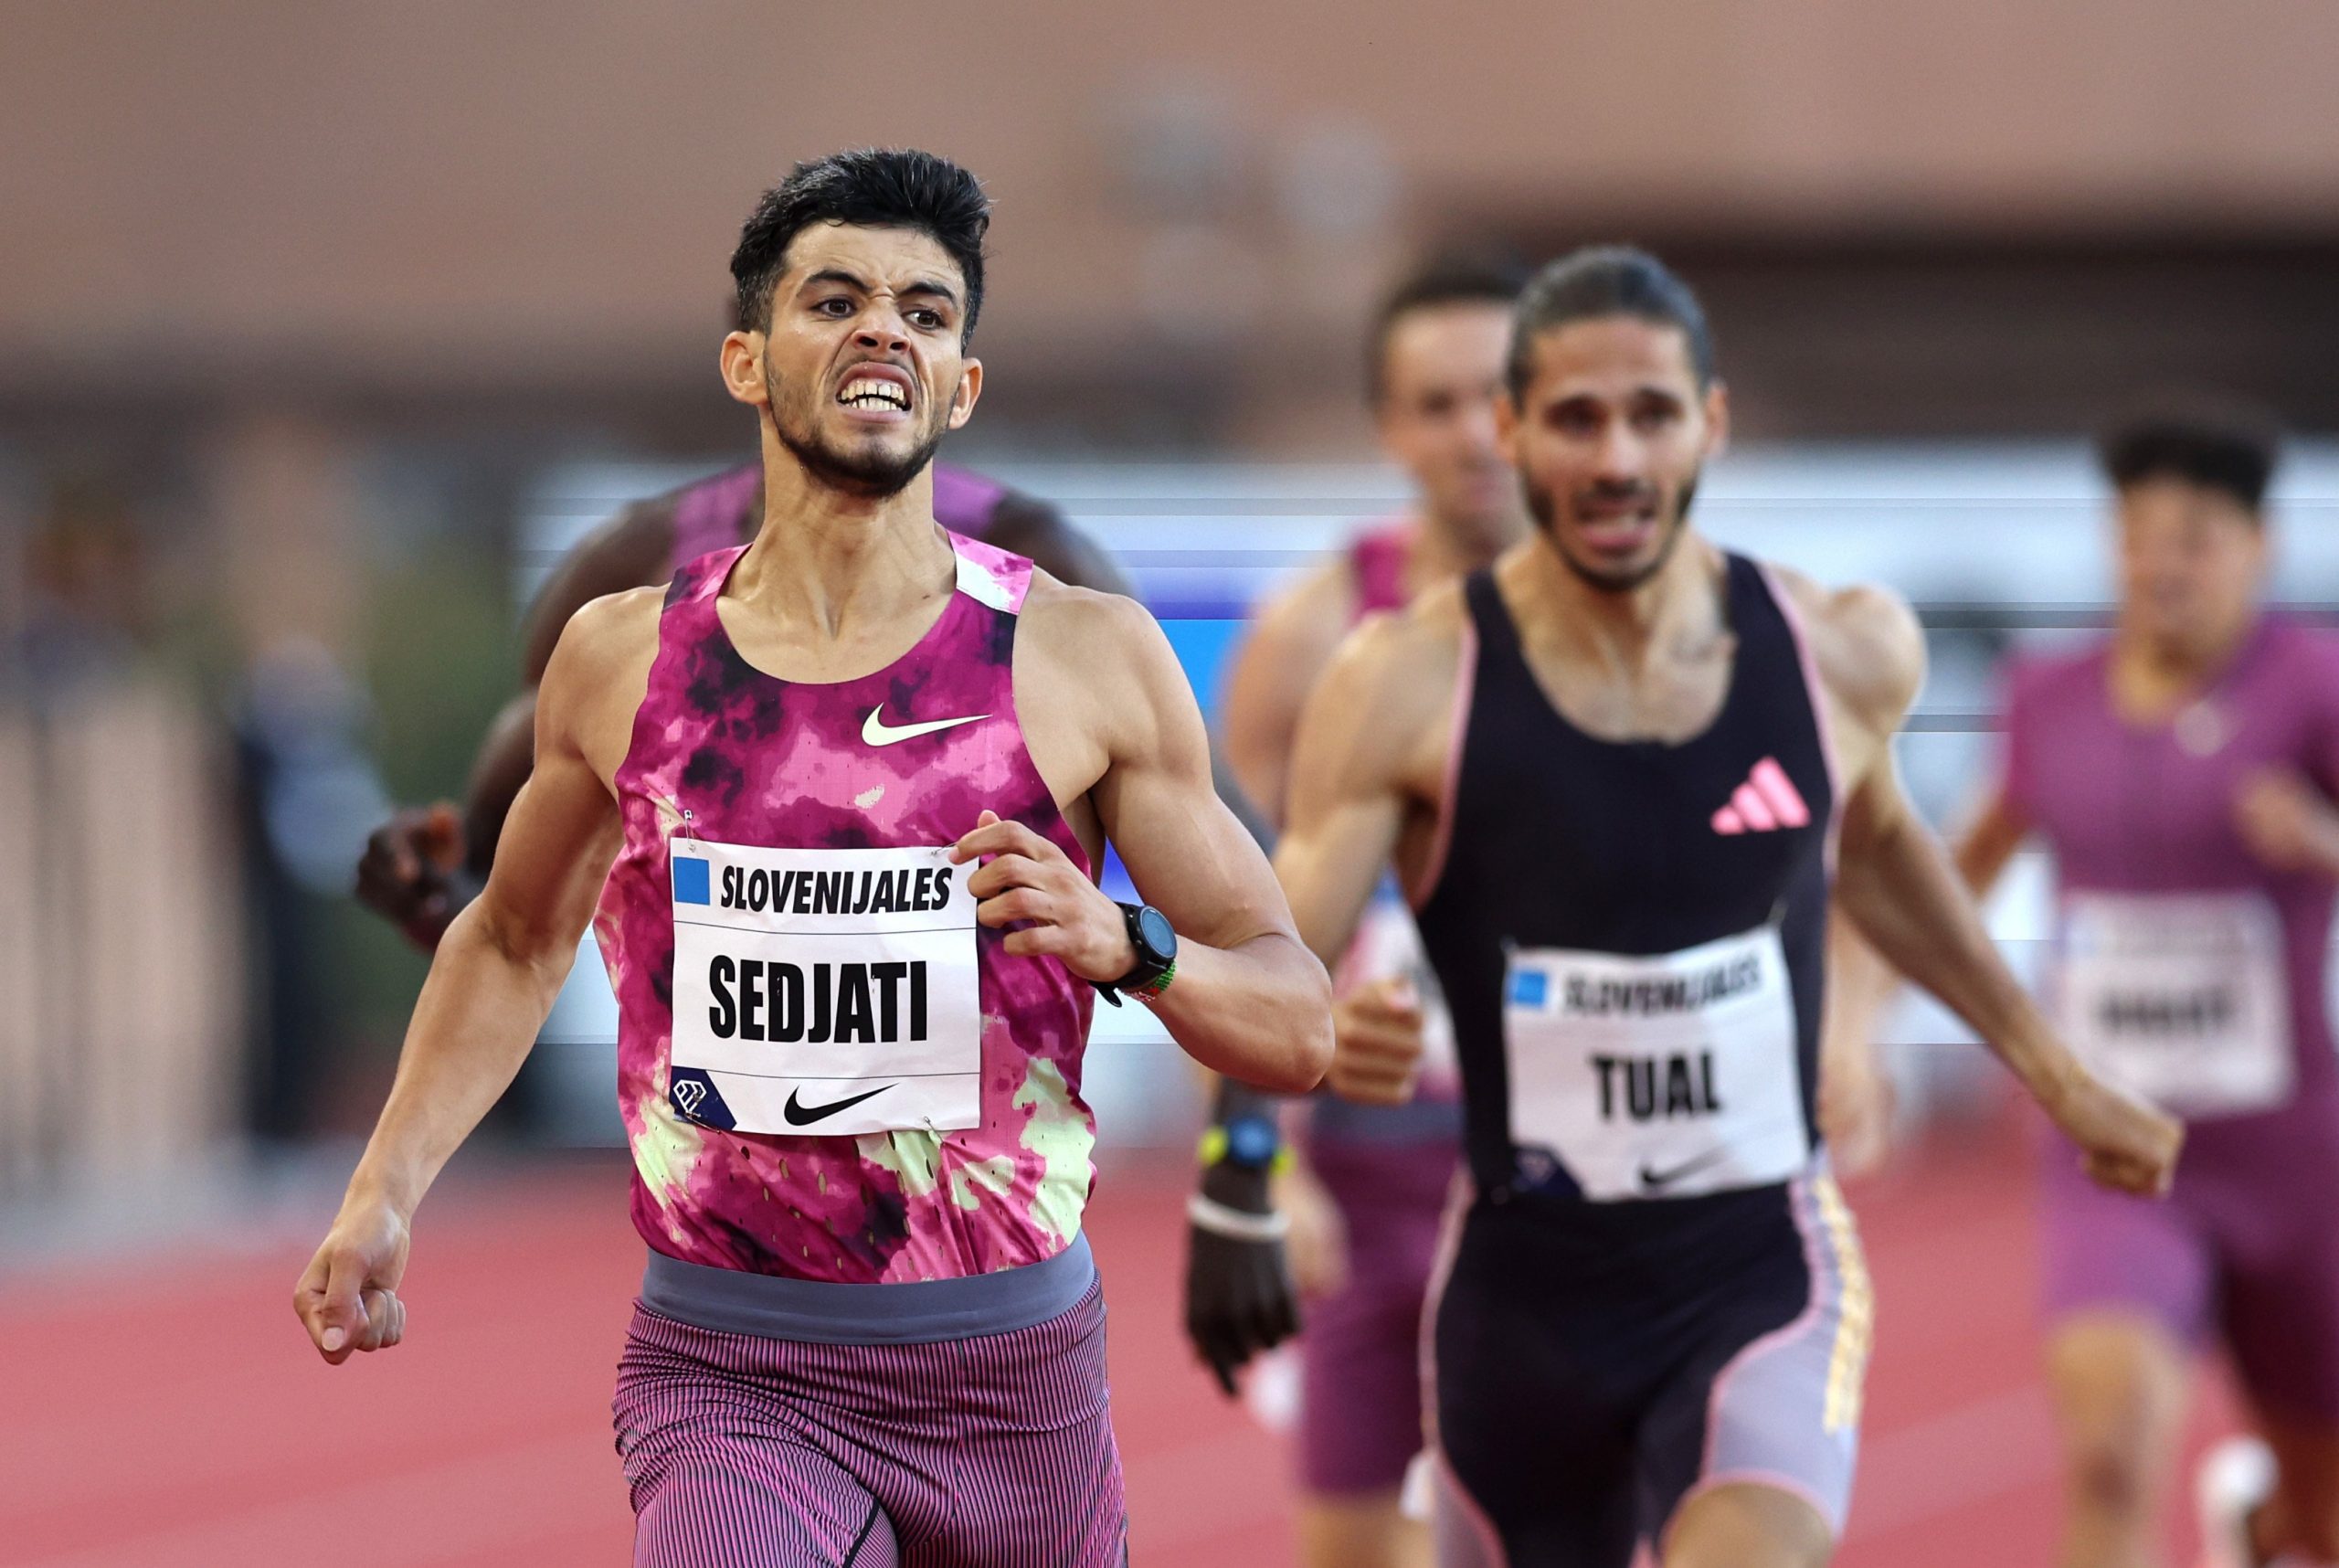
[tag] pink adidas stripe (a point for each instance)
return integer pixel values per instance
(1779, 790)
(1767, 802)
(1749, 803)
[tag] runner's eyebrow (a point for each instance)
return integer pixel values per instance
(837, 275)
(930, 288)
(933, 288)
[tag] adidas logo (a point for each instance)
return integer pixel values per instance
(1765, 803)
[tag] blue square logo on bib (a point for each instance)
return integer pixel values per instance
(691, 885)
(1529, 987)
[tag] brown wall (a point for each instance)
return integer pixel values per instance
(426, 199)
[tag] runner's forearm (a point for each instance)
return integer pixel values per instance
(479, 1012)
(1260, 1012)
(1234, 1098)
(1860, 984)
(1906, 898)
(1861, 987)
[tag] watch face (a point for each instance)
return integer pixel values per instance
(1154, 925)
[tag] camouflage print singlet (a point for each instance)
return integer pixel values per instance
(901, 760)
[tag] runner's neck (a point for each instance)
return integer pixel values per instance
(825, 561)
(1677, 611)
(1443, 549)
(2151, 678)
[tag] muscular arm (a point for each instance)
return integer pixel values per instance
(1029, 527)
(1894, 880)
(1248, 1001)
(1277, 664)
(1278, 660)
(505, 957)
(1861, 983)
(1900, 887)
(1365, 766)
(491, 985)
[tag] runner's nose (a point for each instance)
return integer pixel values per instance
(882, 335)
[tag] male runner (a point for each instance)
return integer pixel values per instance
(852, 778)
(421, 865)
(1366, 1195)
(2182, 773)
(1619, 772)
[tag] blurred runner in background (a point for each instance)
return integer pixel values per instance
(2182, 773)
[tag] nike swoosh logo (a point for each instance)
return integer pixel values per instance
(799, 1114)
(876, 731)
(1654, 1179)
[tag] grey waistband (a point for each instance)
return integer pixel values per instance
(915, 1312)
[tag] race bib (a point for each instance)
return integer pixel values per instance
(828, 993)
(2181, 998)
(1656, 1077)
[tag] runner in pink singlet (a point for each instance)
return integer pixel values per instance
(834, 799)
(723, 755)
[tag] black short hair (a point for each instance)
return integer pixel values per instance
(1454, 279)
(1606, 280)
(2216, 444)
(873, 187)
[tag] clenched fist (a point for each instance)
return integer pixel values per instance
(2129, 1146)
(407, 875)
(347, 1296)
(1377, 1044)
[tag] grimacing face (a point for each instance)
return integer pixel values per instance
(1609, 437)
(863, 368)
(2192, 560)
(1441, 377)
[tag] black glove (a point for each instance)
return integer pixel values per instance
(1238, 1297)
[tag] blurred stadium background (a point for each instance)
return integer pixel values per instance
(323, 329)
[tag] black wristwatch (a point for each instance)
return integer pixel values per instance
(1157, 955)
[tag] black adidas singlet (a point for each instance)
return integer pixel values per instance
(1599, 902)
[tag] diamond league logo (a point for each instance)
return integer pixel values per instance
(690, 1094)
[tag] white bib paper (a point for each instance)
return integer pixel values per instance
(2181, 998)
(1656, 1077)
(828, 993)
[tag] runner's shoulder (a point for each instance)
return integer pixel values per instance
(1096, 630)
(607, 639)
(1404, 662)
(1868, 644)
(1311, 613)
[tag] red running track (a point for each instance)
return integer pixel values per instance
(170, 1415)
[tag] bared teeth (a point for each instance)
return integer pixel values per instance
(872, 392)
